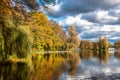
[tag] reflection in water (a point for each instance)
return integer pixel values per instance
(103, 56)
(86, 54)
(117, 55)
(18, 71)
(65, 66)
(95, 65)
(49, 67)
(72, 63)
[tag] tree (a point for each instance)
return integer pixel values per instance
(14, 31)
(60, 33)
(117, 44)
(106, 44)
(15, 34)
(72, 40)
(47, 35)
(100, 42)
(103, 43)
(87, 45)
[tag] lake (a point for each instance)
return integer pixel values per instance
(85, 65)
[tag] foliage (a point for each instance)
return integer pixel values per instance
(22, 31)
(72, 39)
(17, 40)
(61, 34)
(87, 45)
(46, 35)
(117, 44)
(101, 44)
(14, 32)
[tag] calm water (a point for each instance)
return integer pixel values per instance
(86, 65)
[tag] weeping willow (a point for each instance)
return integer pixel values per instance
(23, 41)
(1, 44)
(15, 40)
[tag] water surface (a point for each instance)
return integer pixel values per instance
(86, 65)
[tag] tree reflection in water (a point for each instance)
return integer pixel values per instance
(102, 56)
(10, 71)
(53, 66)
(117, 55)
(72, 62)
(50, 67)
(44, 67)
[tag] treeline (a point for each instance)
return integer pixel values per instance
(48, 35)
(101, 44)
(22, 32)
(117, 44)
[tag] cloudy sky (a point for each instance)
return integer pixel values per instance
(91, 18)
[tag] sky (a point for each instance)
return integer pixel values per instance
(91, 18)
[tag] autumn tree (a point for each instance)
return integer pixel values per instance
(14, 29)
(47, 35)
(100, 42)
(103, 43)
(60, 33)
(117, 44)
(87, 45)
(72, 40)
(96, 46)
(106, 43)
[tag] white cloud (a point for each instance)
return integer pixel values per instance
(114, 38)
(76, 21)
(112, 2)
(115, 11)
(53, 8)
(66, 7)
(108, 28)
(91, 31)
(91, 17)
(104, 17)
(101, 17)
(112, 31)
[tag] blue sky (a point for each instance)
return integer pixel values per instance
(91, 18)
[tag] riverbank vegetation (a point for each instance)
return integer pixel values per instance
(117, 44)
(101, 44)
(24, 30)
